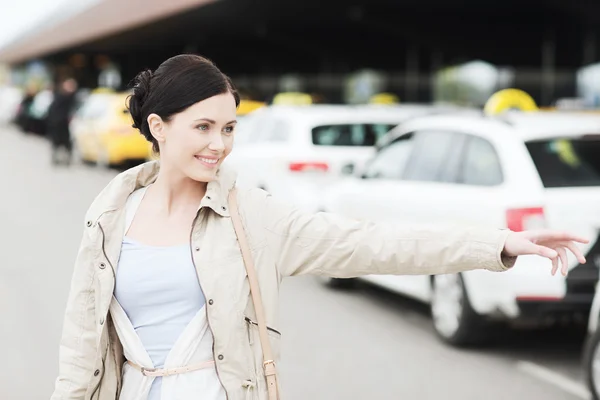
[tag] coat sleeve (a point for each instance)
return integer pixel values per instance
(78, 341)
(331, 245)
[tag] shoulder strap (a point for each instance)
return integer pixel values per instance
(132, 205)
(268, 362)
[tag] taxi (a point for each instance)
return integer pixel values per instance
(506, 166)
(102, 130)
(294, 148)
(591, 353)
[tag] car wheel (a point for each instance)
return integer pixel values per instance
(591, 364)
(454, 320)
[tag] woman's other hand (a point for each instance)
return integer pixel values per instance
(546, 243)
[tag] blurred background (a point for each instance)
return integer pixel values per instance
(429, 111)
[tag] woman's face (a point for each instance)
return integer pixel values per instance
(196, 141)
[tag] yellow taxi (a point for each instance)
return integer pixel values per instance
(247, 106)
(102, 131)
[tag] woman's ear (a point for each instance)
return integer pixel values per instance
(157, 127)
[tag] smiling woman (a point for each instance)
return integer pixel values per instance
(173, 114)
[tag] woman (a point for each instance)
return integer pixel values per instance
(159, 306)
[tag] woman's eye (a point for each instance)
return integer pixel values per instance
(228, 129)
(203, 127)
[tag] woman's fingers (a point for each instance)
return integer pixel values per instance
(576, 251)
(544, 251)
(554, 265)
(562, 253)
(573, 248)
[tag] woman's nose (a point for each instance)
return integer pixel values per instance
(216, 143)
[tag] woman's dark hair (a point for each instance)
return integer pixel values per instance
(177, 83)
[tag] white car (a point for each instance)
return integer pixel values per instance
(520, 170)
(591, 353)
(294, 152)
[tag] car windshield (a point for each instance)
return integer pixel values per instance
(567, 162)
(358, 134)
(41, 103)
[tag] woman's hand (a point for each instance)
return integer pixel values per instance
(545, 243)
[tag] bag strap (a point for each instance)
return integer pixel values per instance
(268, 361)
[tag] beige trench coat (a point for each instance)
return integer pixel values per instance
(284, 241)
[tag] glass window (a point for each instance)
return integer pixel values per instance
(481, 165)
(41, 103)
(430, 155)
(390, 161)
(95, 107)
(349, 134)
(454, 159)
(567, 162)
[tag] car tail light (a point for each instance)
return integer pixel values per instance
(522, 219)
(309, 166)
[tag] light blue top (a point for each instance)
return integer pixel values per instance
(159, 290)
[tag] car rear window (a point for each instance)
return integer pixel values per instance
(567, 162)
(349, 134)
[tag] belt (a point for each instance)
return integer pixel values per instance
(153, 372)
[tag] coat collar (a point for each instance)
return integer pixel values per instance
(115, 194)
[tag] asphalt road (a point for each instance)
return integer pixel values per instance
(360, 344)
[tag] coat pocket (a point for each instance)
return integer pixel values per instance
(272, 331)
(255, 345)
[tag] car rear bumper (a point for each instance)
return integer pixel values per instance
(529, 292)
(571, 307)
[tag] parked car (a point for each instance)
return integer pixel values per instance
(517, 170)
(591, 353)
(102, 132)
(294, 152)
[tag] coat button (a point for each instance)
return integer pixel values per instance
(224, 208)
(97, 372)
(208, 197)
(102, 265)
(220, 357)
(211, 302)
(197, 248)
(89, 223)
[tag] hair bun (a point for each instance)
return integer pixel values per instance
(141, 90)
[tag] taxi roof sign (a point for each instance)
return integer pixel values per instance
(384, 98)
(292, 99)
(103, 90)
(507, 99)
